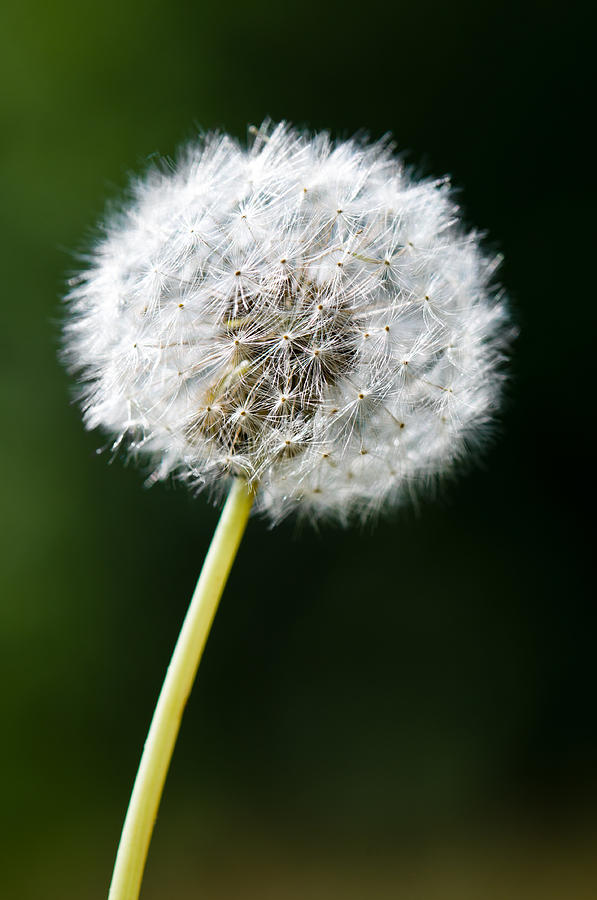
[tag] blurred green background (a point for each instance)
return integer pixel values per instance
(405, 711)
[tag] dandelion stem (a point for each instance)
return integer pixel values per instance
(149, 783)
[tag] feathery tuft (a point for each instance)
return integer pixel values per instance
(303, 313)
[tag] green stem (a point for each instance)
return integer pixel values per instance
(149, 783)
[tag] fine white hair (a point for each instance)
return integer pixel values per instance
(303, 313)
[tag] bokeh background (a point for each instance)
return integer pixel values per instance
(402, 711)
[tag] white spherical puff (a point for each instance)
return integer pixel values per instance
(302, 312)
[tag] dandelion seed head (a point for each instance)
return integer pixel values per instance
(302, 313)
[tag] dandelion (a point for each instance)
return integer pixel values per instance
(303, 320)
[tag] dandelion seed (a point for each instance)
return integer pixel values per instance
(306, 322)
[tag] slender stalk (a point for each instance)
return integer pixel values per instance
(149, 783)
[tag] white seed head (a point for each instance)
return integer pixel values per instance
(302, 312)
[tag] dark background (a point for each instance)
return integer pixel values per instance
(402, 711)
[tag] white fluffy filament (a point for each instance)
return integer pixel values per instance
(303, 313)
